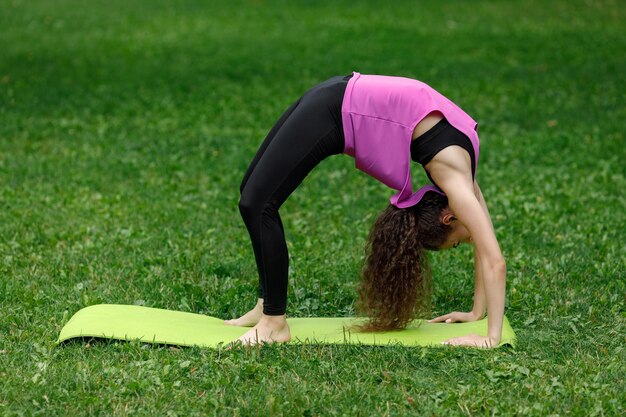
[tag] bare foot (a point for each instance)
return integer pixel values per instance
(269, 329)
(249, 319)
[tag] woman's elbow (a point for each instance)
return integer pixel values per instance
(499, 267)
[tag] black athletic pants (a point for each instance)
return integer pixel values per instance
(308, 132)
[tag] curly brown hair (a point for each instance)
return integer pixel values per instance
(396, 281)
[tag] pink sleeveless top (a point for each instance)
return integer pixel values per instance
(379, 114)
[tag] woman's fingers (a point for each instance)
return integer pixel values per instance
(471, 340)
(448, 318)
(453, 317)
(440, 318)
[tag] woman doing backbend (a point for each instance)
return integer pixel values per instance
(383, 122)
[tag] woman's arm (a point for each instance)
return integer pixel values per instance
(481, 200)
(490, 262)
(480, 303)
(450, 172)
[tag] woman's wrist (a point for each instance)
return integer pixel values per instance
(494, 341)
(477, 314)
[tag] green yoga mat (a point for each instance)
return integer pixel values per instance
(153, 325)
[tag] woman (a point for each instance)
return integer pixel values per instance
(383, 122)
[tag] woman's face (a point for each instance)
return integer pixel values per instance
(458, 235)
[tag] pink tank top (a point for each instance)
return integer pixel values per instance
(379, 114)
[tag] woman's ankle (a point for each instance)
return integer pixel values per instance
(273, 321)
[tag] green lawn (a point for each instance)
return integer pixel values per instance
(126, 127)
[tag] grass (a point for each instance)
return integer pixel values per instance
(125, 128)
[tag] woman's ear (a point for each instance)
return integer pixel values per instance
(447, 217)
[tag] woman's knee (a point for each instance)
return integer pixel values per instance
(247, 206)
(251, 204)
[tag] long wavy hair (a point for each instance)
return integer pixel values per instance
(396, 284)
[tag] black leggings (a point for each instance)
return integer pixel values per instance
(308, 132)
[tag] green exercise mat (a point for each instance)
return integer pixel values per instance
(154, 325)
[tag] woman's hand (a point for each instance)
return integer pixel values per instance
(456, 317)
(473, 340)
